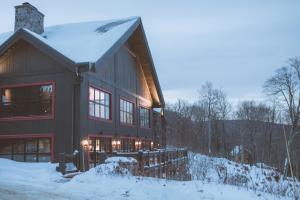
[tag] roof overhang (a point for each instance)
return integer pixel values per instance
(144, 55)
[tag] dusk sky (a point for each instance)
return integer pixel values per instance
(236, 45)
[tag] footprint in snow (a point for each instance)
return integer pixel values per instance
(126, 194)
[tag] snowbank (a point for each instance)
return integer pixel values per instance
(223, 171)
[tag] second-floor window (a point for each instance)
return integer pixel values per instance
(126, 112)
(26, 101)
(144, 117)
(99, 104)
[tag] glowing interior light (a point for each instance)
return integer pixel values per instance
(85, 143)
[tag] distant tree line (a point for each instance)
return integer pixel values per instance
(251, 132)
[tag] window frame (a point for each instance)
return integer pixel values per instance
(31, 117)
(25, 138)
(110, 104)
(92, 155)
(149, 117)
(133, 111)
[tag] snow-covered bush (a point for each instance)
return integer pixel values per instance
(118, 166)
(258, 178)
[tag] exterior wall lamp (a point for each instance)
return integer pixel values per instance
(85, 143)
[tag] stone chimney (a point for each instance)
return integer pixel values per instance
(28, 16)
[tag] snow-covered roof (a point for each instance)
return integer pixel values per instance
(82, 42)
(79, 44)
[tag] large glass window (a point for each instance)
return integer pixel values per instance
(127, 145)
(99, 145)
(126, 112)
(26, 101)
(99, 104)
(28, 150)
(144, 117)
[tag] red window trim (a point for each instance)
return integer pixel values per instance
(33, 117)
(116, 137)
(33, 136)
(133, 112)
(110, 104)
(149, 109)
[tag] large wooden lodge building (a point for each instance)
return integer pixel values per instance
(65, 83)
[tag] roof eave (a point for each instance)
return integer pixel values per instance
(158, 88)
(121, 41)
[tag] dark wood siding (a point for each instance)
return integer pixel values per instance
(24, 64)
(122, 76)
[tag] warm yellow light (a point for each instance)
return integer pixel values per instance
(85, 143)
(118, 142)
(114, 142)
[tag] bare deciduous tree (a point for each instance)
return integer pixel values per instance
(285, 86)
(216, 106)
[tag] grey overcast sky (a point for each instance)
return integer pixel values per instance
(235, 45)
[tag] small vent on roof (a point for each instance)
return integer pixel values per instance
(107, 27)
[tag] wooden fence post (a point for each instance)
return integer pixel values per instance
(141, 163)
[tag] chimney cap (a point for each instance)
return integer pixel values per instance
(26, 4)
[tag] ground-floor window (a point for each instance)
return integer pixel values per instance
(146, 144)
(127, 145)
(99, 146)
(143, 145)
(26, 149)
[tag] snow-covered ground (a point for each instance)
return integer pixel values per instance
(41, 181)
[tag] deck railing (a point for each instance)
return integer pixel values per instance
(161, 163)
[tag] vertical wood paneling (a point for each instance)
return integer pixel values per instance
(24, 58)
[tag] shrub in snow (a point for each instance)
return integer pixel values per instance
(258, 178)
(118, 166)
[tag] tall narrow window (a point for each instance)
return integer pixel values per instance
(99, 104)
(126, 112)
(26, 101)
(144, 117)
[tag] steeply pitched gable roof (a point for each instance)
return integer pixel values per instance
(83, 42)
(86, 42)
